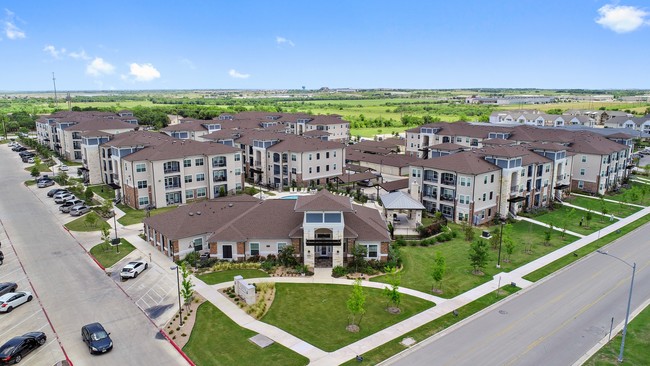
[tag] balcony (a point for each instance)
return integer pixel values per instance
(218, 164)
(448, 182)
(172, 186)
(447, 197)
(172, 170)
(219, 178)
(430, 178)
(430, 195)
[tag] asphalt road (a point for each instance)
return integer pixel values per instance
(71, 287)
(554, 322)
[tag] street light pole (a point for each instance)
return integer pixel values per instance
(178, 284)
(500, 242)
(629, 301)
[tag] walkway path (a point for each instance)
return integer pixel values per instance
(320, 357)
(557, 228)
(607, 200)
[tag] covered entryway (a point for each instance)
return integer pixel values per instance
(227, 251)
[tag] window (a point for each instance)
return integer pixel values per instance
(372, 251)
(312, 217)
(485, 180)
(317, 169)
(582, 172)
(237, 157)
(188, 179)
(198, 162)
(416, 173)
(198, 244)
(333, 217)
(327, 168)
(309, 170)
(327, 155)
(491, 178)
(334, 153)
(317, 156)
(189, 194)
(491, 194)
(237, 171)
(139, 168)
(581, 184)
(309, 157)
(143, 201)
(293, 170)
(547, 168)
(459, 139)
(293, 157)
(142, 184)
(584, 158)
(483, 196)
(200, 177)
(281, 246)
(201, 192)
(187, 163)
(255, 248)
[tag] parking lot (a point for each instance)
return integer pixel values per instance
(29, 317)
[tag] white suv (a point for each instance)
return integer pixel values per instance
(133, 269)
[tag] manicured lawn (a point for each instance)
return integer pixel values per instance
(104, 191)
(80, 224)
(642, 198)
(323, 315)
(569, 218)
(620, 210)
(30, 182)
(637, 344)
(217, 340)
(587, 249)
(225, 276)
(108, 256)
(459, 278)
(427, 330)
(43, 168)
(134, 216)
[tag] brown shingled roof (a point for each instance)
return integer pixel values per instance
(323, 201)
(176, 149)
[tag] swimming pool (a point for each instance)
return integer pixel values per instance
(292, 197)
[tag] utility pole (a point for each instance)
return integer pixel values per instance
(54, 82)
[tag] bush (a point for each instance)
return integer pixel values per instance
(400, 242)
(268, 265)
(339, 271)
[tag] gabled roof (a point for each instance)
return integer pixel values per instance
(323, 201)
(395, 185)
(466, 162)
(400, 201)
(176, 149)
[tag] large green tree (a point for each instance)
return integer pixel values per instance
(478, 255)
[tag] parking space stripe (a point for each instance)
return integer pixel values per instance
(21, 322)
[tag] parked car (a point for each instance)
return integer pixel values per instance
(12, 300)
(21, 148)
(96, 337)
(54, 191)
(6, 287)
(67, 206)
(18, 347)
(133, 269)
(16, 147)
(30, 160)
(63, 167)
(45, 183)
(79, 210)
(64, 198)
(45, 177)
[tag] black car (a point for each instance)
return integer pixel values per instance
(7, 287)
(18, 347)
(96, 337)
(54, 191)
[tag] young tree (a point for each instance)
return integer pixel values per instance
(356, 303)
(495, 238)
(466, 228)
(88, 195)
(358, 257)
(589, 216)
(106, 237)
(91, 220)
(438, 272)
(547, 236)
(286, 258)
(187, 287)
(35, 172)
(392, 292)
(509, 246)
(478, 256)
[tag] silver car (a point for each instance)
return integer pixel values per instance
(64, 198)
(79, 210)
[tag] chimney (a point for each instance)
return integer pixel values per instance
(415, 191)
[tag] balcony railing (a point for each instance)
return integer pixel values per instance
(220, 178)
(430, 178)
(447, 197)
(172, 170)
(432, 196)
(172, 186)
(218, 164)
(449, 182)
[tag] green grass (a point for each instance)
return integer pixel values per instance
(30, 182)
(637, 344)
(620, 210)
(569, 218)
(43, 168)
(104, 191)
(81, 225)
(587, 249)
(371, 132)
(643, 199)
(459, 278)
(323, 315)
(108, 256)
(227, 275)
(217, 340)
(134, 216)
(393, 347)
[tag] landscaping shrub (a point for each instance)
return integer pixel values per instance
(400, 242)
(339, 271)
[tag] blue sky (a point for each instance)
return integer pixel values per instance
(209, 44)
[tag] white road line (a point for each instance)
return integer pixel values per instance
(8, 273)
(21, 322)
(40, 349)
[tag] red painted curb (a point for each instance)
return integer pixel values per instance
(177, 348)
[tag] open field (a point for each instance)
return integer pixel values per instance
(596, 205)
(224, 276)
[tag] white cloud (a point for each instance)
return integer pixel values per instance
(99, 67)
(10, 29)
(188, 63)
(53, 51)
(281, 40)
(144, 72)
(237, 75)
(621, 18)
(81, 55)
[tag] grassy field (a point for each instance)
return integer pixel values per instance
(80, 224)
(427, 330)
(225, 276)
(637, 344)
(459, 278)
(642, 199)
(108, 256)
(619, 210)
(104, 191)
(134, 216)
(43, 168)
(569, 218)
(217, 340)
(586, 250)
(323, 315)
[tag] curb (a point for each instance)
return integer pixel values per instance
(186, 357)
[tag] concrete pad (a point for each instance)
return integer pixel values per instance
(261, 340)
(407, 342)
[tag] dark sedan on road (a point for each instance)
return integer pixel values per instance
(18, 347)
(7, 287)
(96, 337)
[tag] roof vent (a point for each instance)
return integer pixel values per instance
(198, 213)
(191, 213)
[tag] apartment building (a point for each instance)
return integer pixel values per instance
(322, 228)
(606, 162)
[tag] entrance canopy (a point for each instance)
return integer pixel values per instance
(400, 201)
